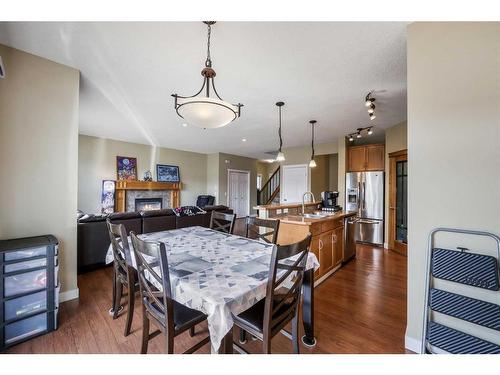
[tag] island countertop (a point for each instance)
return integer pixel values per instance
(301, 220)
(281, 206)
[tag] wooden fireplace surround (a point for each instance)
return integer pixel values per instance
(122, 187)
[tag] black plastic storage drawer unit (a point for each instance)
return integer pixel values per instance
(29, 288)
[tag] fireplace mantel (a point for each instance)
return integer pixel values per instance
(123, 186)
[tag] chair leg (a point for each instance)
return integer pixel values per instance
(118, 298)
(130, 306)
(266, 345)
(295, 333)
(243, 336)
(145, 332)
(113, 302)
(191, 331)
(169, 342)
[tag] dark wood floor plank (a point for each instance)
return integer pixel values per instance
(360, 309)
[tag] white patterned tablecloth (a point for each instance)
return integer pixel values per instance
(217, 273)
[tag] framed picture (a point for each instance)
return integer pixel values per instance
(167, 173)
(108, 197)
(126, 168)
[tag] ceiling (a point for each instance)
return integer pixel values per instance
(321, 70)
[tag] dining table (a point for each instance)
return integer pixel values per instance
(222, 275)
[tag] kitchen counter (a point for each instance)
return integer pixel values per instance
(301, 220)
(328, 240)
(267, 211)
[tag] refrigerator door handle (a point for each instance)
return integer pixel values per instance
(364, 195)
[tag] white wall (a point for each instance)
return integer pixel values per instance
(39, 151)
(453, 143)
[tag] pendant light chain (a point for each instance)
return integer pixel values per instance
(279, 129)
(208, 62)
(312, 141)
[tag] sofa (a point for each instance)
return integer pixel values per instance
(93, 238)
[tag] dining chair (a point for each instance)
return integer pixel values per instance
(270, 315)
(170, 317)
(253, 225)
(222, 222)
(124, 275)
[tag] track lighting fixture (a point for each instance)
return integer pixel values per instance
(359, 133)
(369, 102)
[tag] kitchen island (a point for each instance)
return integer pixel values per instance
(328, 241)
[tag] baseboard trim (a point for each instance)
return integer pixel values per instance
(69, 295)
(327, 275)
(412, 344)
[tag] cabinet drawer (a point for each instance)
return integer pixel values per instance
(25, 282)
(26, 265)
(23, 329)
(21, 306)
(26, 253)
(331, 224)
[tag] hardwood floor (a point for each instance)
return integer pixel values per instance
(359, 309)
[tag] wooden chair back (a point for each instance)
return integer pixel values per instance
(282, 299)
(154, 280)
(253, 225)
(120, 247)
(222, 222)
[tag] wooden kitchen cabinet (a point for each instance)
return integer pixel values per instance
(325, 252)
(338, 245)
(366, 158)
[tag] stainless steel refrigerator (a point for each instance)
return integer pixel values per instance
(365, 195)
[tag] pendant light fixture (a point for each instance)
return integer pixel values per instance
(205, 111)
(312, 163)
(281, 155)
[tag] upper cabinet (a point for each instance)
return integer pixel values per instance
(366, 158)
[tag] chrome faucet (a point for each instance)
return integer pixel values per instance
(303, 199)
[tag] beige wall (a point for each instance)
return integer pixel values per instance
(333, 164)
(97, 162)
(396, 139)
(302, 155)
(213, 176)
(453, 145)
(320, 175)
(39, 151)
(227, 161)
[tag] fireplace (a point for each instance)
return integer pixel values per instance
(148, 204)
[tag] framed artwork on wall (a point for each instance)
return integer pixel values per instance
(167, 173)
(108, 197)
(126, 168)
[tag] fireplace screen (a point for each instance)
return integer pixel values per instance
(148, 204)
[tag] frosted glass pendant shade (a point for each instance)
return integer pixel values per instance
(280, 157)
(312, 163)
(208, 113)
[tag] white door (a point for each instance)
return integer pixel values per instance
(294, 183)
(239, 192)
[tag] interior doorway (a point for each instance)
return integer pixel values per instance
(294, 183)
(238, 197)
(398, 201)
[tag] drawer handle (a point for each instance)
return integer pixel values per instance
(320, 244)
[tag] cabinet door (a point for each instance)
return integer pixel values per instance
(338, 245)
(315, 245)
(375, 158)
(356, 159)
(325, 252)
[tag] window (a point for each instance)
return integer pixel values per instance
(259, 181)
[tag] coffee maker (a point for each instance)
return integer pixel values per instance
(329, 201)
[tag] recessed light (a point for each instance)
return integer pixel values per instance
(184, 124)
(244, 140)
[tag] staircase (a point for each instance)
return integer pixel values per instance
(270, 191)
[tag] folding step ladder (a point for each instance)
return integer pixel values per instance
(468, 268)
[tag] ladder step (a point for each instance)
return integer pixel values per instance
(472, 310)
(466, 268)
(456, 342)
